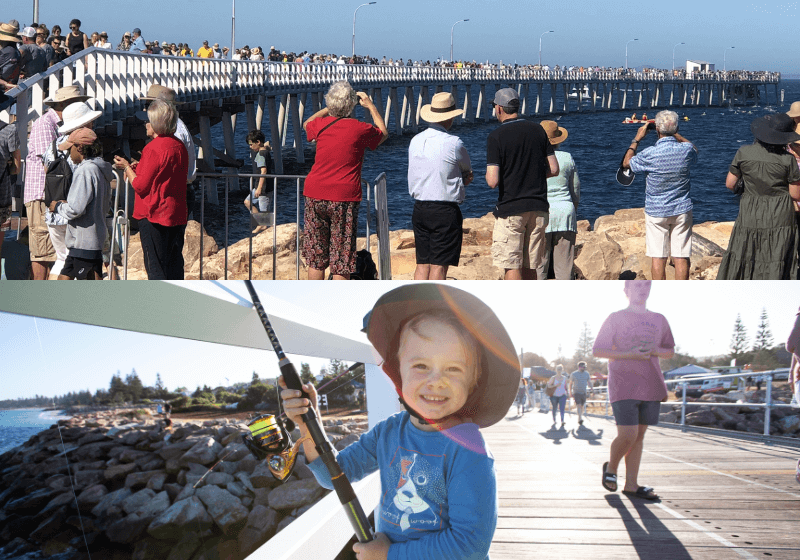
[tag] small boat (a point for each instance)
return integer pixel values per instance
(637, 121)
(585, 94)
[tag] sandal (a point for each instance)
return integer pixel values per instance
(644, 492)
(609, 479)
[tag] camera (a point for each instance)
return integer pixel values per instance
(651, 126)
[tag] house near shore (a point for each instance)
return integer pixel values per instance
(699, 67)
(688, 369)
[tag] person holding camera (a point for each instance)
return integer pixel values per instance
(667, 208)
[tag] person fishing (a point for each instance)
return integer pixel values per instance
(456, 371)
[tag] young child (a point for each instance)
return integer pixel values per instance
(258, 199)
(456, 370)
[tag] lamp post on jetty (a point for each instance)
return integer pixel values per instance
(451, 37)
(540, 46)
(36, 11)
(233, 30)
(626, 51)
(354, 24)
(724, 62)
(673, 56)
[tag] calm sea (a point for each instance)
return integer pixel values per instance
(597, 142)
(17, 426)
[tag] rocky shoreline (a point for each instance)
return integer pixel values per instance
(134, 484)
(610, 249)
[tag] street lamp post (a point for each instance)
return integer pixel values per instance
(673, 56)
(724, 61)
(36, 11)
(540, 46)
(626, 51)
(233, 30)
(354, 24)
(451, 37)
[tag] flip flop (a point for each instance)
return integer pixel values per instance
(609, 479)
(644, 492)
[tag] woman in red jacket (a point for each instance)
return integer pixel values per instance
(159, 181)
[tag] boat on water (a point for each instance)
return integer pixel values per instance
(637, 121)
(585, 94)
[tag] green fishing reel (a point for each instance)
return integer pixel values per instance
(269, 439)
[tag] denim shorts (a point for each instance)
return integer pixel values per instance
(261, 203)
(630, 412)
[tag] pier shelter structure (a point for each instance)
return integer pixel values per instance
(214, 91)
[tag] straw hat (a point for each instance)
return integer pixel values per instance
(777, 129)
(555, 133)
(441, 108)
(76, 115)
(160, 92)
(9, 33)
(500, 370)
(794, 110)
(67, 93)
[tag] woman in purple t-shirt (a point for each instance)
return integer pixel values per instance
(633, 340)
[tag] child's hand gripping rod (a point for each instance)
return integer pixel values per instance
(341, 485)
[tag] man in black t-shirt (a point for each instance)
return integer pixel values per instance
(519, 159)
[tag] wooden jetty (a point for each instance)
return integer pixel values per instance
(722, 497)
(215, 91)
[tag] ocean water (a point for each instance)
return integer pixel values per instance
(18, 425)
(597, 141)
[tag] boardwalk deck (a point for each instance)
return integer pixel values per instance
(721, 497)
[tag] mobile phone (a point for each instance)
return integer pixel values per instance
(119, 153)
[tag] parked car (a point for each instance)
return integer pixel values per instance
(697, 387)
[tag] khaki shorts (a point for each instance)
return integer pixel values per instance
(519, 241)
(38, 235)
(670, 236)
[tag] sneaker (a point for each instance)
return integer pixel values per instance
(580, 422)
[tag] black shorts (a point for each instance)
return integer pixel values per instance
(437, 232)
(580, 398)
(79, 269)
(630, 412)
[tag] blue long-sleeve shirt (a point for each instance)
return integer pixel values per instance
(438, 489)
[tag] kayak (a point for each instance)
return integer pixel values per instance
(638, 121)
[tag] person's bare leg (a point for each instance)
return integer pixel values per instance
(621, 446)
(422, 272)
(580, 412)
(658, 268)
(681, 268)
(62, 277)
(314, 274)
(41, 270)
(633, 460)
(341, 277)
(438, 272)
(513, 274)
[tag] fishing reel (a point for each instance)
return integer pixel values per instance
(269, 439)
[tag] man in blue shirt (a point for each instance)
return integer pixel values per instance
(668, 208)
(438, 170)
(138, 43)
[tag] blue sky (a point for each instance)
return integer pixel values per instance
(586, 32)
(52, 358)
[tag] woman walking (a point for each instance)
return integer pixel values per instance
(563, 195)
(765, 239)
(559, 397)
(332, 189)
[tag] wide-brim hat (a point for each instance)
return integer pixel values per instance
(160, 92)
(776, 129)
(441, 108)
(77, 115)
(556, 134)
(625, 176)
(9, 33)
(499, 372)
(794, 110)
(67, 94)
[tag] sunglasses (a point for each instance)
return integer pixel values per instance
(74, 27)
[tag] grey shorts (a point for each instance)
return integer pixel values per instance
(580, 398)
(630, 412)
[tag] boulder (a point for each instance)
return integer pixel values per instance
(701, 418)
(203, 452)
(225, 509)
(261, 525)
(600, 258)
(90, 497)
(181, 518)
(156, 482)
(111, 500)
(120, 472)
(262, 478)
(31, 503)
(189, 543)
(790, 424)
(62, 500)
(84, 479)
(345, 441)
(219, 479)
(234, 451)
(138, 480)
(191, 243)
(48, 528)
(128, 529)
(137, 501)
(669, 417)
(295, 494)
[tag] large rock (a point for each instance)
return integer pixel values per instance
(137, 501)
(262, 478)
(203, 452)
(185, 547)
(111, 500)
(790, 424)
(600, 258)
(701, 418)
(84, 479)
(225, 509)
(120, 472)
(92, 496)
(138, 480)
(32, 502)
(261, 525)
(295, 494)
(191, 244)
(181, 518)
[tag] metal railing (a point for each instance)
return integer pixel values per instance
(685, 381)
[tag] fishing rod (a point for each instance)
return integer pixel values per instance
(342, 487)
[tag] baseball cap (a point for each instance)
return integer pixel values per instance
(506, 97)
(28, 32)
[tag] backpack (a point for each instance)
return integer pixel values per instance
(58, 178)
(365, 267)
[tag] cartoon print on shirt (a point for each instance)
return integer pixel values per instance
(635, 333)
(408, 508)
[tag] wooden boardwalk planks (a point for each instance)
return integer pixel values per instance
(721, 497)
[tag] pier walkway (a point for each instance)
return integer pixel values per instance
(722, 497)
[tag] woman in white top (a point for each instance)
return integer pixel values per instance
(559, 398)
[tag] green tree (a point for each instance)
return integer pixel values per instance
(763, 335)
(305, 374)
(739, 342)
(116, 387)
(134, 385)
(160, 389)
(255, 379)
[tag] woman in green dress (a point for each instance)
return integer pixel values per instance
(765, 240)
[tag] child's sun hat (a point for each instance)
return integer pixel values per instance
(499, 366)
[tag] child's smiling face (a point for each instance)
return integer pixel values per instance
(436, 370)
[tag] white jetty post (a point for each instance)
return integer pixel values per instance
(422, 99)
(553, 91)
(261, 102)
(388, 110)
(297, 129)
(481, 102)
(398, 119)
(208, 159)
(468, 104)
(282, 120)
(566, 86)
(275, 134)
(413, 120)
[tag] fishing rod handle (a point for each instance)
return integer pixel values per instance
(347, 497)
(262, 315)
